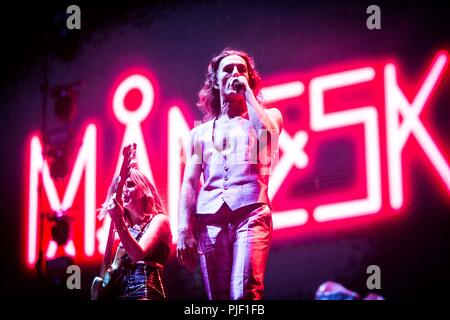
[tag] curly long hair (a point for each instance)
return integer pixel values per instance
(209, 97)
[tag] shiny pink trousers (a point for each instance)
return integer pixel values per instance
(234, 248)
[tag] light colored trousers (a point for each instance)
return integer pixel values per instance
(234, 248)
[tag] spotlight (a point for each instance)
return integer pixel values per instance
(59, 166)
(60, 228)
(58, 149)
(65, 103)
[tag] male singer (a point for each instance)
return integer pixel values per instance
(228, 220)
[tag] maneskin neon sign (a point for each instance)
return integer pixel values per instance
(292, 146)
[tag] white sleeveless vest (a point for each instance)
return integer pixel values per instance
(236, 175)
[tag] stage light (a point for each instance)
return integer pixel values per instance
(60, 228)
(58, 151)
(65, 103)
(59, 166)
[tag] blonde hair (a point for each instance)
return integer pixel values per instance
(152, 202)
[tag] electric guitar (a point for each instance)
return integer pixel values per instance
(100, 288)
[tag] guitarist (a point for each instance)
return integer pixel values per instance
(145, 239)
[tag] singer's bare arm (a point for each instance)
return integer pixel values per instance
(187, 246)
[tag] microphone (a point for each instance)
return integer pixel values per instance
(237, 85)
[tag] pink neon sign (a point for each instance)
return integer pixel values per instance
(361, 103)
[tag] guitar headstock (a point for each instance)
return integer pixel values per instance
(129, 162)
(129, 159)
(132, 157)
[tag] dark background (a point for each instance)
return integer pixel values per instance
(176, 39)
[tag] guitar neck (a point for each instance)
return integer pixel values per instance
(107, 258)
(128, 153)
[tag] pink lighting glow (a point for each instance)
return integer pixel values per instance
(366, 103)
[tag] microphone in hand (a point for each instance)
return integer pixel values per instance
(237, 85)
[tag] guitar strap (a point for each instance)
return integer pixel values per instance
(137, 232)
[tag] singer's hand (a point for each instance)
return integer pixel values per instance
(244, 84)
(187, 250)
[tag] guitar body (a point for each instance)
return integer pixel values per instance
(96, 289)
(101, 288)
(98, 292)
(101, 285)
